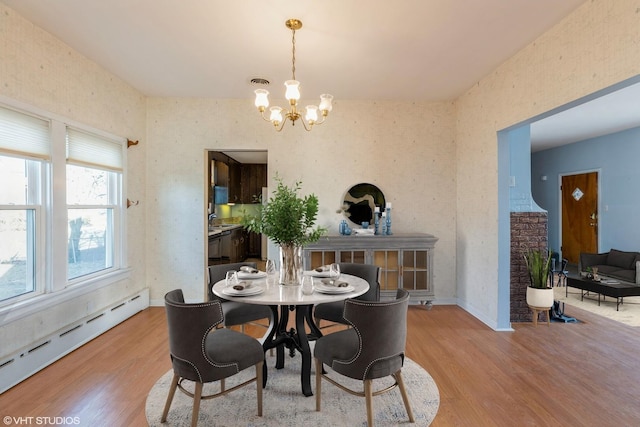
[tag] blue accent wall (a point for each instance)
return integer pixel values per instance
(616, 157)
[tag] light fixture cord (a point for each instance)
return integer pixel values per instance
(293, 54)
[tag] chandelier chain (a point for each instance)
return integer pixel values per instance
(293, 54)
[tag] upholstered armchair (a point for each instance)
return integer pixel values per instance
(332, 311)
(202, 353)
(373, 348)
(237, 313)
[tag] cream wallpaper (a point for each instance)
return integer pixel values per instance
(594, 47)
(40, 71)
(409, 156)
(436, 162)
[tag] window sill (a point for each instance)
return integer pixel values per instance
(12, 312)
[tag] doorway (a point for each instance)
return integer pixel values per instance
(579, 199)
(234, 187)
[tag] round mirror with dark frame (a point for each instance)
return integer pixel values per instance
(360, 201)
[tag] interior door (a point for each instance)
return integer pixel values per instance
(579, 215)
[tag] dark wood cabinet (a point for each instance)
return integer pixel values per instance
(239, 244)
(235, 182)
(253, 244)
(253, 178)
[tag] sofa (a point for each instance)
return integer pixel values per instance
(617, 264)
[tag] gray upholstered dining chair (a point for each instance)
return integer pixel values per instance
(332, 311)
(237, 313)
(373, 348)
(202, 353)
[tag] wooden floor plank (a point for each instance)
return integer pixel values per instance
(564, 374)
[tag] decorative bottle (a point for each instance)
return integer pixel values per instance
(384, 223)
(376, 221)
(388, 220)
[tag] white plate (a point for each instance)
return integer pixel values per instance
(326, 289)
(317, 273)
(248, 291)
(243, 275)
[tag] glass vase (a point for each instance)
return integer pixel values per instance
(290, 265)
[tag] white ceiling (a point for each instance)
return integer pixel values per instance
(405, 50)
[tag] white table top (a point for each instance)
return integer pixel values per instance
(276, 294)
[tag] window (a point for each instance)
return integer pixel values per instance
(24, 145)
(94, 166)
(60, 205)
(91, 220)
(19, 214)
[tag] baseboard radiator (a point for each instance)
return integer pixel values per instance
(22, 364)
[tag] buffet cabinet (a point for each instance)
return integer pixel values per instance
(405, 260)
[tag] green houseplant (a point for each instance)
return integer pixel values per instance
(539, 294)
(289, 220)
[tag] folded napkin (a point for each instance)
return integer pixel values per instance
(247, 269)
(323, 269)
(336, 283)
(241, 286)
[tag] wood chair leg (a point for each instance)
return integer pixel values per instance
(196, 404)
(259, 386)
(318, 383)
(172, 392)
(405, 396)
(368, 396)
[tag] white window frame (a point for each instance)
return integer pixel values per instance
(51, 216)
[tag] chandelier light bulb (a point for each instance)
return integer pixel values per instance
(262, 99)
(312, 114)
(293, 90)
(276, 115)
(325, 102)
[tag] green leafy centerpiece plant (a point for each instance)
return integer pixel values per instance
(539, 293)
(289, 220)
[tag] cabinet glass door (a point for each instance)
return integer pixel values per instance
(414, 269)
(320, 258)
(388, 261)
(356, 257)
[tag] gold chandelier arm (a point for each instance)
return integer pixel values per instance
(284, 120)
(304, 124)
(261, 110)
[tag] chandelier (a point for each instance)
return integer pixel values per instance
(279, 115)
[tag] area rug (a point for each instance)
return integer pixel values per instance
(629, 312)
(285, 405)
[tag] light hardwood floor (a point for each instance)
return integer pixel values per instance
(584, 374)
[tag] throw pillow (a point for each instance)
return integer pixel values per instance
(621, 259)
(637, 272)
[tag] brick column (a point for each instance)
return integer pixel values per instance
(528, 231)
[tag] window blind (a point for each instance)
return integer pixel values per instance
(24, 134)
(91, 150)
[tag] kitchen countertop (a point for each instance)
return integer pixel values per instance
(218, 229)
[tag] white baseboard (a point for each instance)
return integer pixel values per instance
(20, 365)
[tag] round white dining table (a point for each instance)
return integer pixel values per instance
(282, 299)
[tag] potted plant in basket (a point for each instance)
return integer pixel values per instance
(289, 220)
(539, 293)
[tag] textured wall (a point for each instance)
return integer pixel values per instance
(594, 47)
(39, 70)
(528, 231)
(408, 154)
(436, 162)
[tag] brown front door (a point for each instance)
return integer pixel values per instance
(579, 215)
